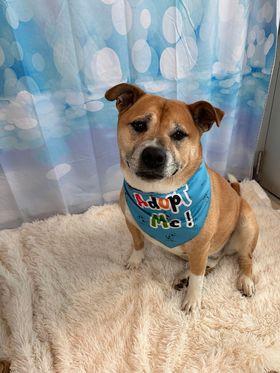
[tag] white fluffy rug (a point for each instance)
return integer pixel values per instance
(68, 305)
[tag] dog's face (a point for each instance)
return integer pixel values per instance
(159, 139)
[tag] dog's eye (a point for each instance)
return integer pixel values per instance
(139, 126)
(178, 135)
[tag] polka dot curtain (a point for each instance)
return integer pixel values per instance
(58, 150)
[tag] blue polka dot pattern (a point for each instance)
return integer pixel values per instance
(58, 58)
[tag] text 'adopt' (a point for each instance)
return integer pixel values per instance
(170, 203)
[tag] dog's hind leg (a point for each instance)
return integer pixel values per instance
(182, 278)
(212, 262)
(243, 242)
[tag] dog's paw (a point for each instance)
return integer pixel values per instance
(181, 280)
(191, 303)
(208, 270)
(246, 285)
(135, 259)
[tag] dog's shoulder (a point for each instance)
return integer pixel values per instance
(227, 200)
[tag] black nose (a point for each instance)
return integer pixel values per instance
(153, 157)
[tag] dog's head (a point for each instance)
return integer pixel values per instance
(159, 139)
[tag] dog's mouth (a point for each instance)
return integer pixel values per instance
(175, 172)
(153, 175)
(147, 175)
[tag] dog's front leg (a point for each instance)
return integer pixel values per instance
(137, 254)
(197, 266)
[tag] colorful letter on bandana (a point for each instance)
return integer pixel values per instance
(159, 219)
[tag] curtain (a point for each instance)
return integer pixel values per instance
(58, 150)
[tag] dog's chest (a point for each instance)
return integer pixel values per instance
(173, 219)
(178, 251)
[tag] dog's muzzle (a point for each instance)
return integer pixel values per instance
(152, 163)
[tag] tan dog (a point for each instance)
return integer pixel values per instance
(172, 130)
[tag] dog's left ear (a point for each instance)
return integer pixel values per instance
(125, 95)
(204, 115)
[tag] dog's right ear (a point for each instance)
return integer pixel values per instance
(125, 94)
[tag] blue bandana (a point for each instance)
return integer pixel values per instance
(174, 218)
